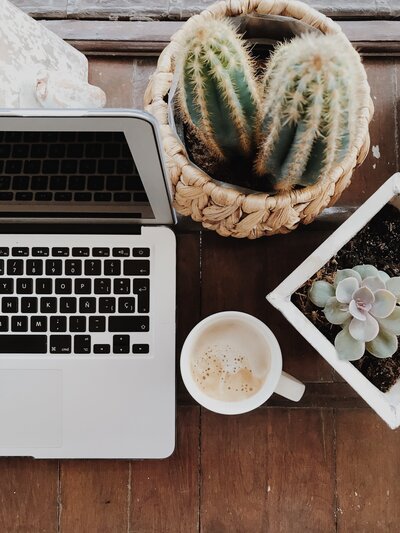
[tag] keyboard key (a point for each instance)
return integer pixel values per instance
(4, 251)
(15, 267)
(97, 323)
(80, 252)
(40, 252)
(58, 324)
(20, 251)
(106, 305)
(121, 252)
(122, 197)
(140, 197)
(3, 323)
(83, 286)
(9, 304)
(106, 166)
(32, 166)
(29, 305)
(93, 150)
(126, 305)
(102, 197)
(20, 151)
(38, 323)
(95, 183)
(113, 183)
(82, 197)
(87, 305)
(23, 343)
(24, 286)
(19, 183)
(82, 344)
(24, 196)
(6, 196)
(69, 166)
(44, 286)
(140, 348)
(39, 183)
(141, 287)
(50, 166)
(128, 323)
(121, 344)
(77, 183)
(125, 166)
(53, 267)
(43, 196)
(101, 252)
(5, 150)
(77, 324)
(6, 286)
(73, 267)
(87, 166)
(101, 348)
(1, 267)
(60, 344)
(133, 183)
(34, 267)
(63, 286)
(122, 286)
(5, 182)
(68, 305)
(141, 252)
(60, 252)
(57, 150)
(63, 196)
(102, 286)
(75, 151)
(58, 183)
(92, 267)
(136, 267)
(19, 323)
(112, 267)
(48, 305)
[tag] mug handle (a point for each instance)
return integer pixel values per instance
(290, 387)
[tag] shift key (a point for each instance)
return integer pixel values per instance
(23, 343)
(128, 323)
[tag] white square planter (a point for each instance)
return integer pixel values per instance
(387, 405)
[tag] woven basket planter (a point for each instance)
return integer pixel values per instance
(224, 209)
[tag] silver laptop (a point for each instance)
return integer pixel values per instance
(87, 286)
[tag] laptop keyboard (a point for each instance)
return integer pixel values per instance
(74, 300)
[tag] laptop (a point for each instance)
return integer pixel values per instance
(87, 286)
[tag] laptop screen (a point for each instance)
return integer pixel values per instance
(70, 174)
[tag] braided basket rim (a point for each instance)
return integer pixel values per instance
(225, 209)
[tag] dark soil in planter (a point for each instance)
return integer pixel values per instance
(378, 244)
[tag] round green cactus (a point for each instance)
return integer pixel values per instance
(218, 95)
(309, 109)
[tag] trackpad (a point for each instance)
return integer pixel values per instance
(30, 408)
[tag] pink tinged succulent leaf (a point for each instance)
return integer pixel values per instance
(346, 273)
(393, 285)
(336, 312)
(366, 271)
(348, 348)
(392, 322)
(355, 312)
(384, 345)
(384, 304)
(364, 330)
(346, 289)
(364, 297)
(374, 283)
(320, 293)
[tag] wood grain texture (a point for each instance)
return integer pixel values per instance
(234, 465)
(237, 275)
(165, 494)
(115, 78)
(301, 476)
(94, 496)
(182, 9)
(28, 496)
(368, 466)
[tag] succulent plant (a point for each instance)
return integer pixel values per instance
(364, 302)
(218, 95)
(309, 109)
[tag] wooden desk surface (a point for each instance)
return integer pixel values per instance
(324, 465)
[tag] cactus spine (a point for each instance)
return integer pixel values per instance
(309, 111)
(218, 94)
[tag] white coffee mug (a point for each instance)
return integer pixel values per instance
(231, 363)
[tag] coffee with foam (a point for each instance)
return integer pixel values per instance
(230, 360)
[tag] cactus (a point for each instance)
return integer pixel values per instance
(218, 94)
(309, 109)
(364, 302)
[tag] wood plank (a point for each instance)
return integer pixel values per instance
(115, 78)
(237, 275)
(234, 466)
(368, 466)
(165, 494)
(28, 495)
(301, 475)
(151, 37)
(94, 496)
(182, 9)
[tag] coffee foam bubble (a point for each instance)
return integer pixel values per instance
(229, 361)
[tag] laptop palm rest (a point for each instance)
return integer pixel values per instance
(30, 408)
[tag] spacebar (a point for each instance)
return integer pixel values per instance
(23, 344)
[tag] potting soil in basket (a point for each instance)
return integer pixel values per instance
(378, 244)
